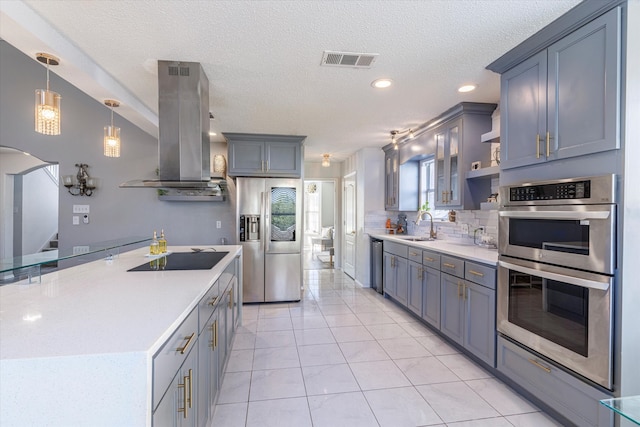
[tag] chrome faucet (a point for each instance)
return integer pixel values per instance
(432, 233)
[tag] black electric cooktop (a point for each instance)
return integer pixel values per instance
(183, 261)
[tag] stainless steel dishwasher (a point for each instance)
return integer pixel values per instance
(376, 265)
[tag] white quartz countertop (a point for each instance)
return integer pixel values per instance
(100, 308)
(447, 247)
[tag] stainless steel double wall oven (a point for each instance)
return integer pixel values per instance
(556, 272)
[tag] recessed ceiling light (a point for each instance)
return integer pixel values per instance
(467, 88)
(381, 83)
(212, 134)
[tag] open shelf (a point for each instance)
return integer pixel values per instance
(490, 172)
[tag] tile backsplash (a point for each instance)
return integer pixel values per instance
(472, 219)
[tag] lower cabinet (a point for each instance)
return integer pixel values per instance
(572, 398)
(187, 370)
(396, 281)
(468, 316)
(431, 296)
(416, 287)
(179, 406)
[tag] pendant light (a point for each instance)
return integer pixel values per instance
(111, 133)
(325, 160)
(47, 110)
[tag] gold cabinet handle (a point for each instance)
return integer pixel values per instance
(548, 138)
(413, 253)
(213, 301)
(537, 146)
(446, 264)
(190, 388)
(214, 335)
(420, 272)
(231, 298)
(540, 365)
(429, 259)
(475, 273)
(215, 340)
(183, 386)
(186, 345)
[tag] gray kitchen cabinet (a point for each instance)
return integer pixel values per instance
(448, 176)
(175, 377)
(401, 183)
(416, 287)
(452, 307)
(574, 399)
(264, 155)
(565, 100)
(457, 145)
(431, 296)
(396, 271)
(209, 369)
(468, 309)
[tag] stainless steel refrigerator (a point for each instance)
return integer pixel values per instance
(269, 212)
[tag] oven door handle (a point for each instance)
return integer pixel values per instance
(570, 215)
(585, 283)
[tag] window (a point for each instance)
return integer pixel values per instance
(427, 187)
(312, 207)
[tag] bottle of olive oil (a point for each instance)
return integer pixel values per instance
(162, 243)
(154, 247)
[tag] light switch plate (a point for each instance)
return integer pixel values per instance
(81, 209)
(76, 220)
(218, 224)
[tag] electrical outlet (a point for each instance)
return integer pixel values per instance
(464, 228)
(81, 209)
(218, 224)
(80, 250)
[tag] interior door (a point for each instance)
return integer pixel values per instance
(349, 230)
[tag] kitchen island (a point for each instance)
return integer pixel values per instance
(83, 346)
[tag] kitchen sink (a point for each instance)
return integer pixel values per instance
(415, 238)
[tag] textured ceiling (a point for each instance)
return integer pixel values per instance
(263, 58)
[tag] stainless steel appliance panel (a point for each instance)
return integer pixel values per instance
(577, 236)
(376, 265)
(561, 313)
(252, 272)
(278, 205)
(283, 277)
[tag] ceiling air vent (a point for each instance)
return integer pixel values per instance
(348, 59)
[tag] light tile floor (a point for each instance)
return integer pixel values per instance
(346, 356)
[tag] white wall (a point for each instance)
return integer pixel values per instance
(39, 210)
(115, 212)
(327, 203)
(368, 163)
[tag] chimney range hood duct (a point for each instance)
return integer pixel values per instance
(183, 115)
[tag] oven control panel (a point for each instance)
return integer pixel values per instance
(555, 191)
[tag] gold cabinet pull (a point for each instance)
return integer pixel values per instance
(215, 339)
(537, 146)
(475, 273)
(214, 335)
(213, 301)
(420, 271)
(190, 388)
(540, 365)
(183, 386)
(186, 345)
(446, 264)
(429, 259)
(413, 253)
(231, 298)
(548, 138)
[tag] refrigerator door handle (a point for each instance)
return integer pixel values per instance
(262, 212)
(267, 221)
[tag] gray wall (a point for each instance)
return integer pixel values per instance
(115, 212)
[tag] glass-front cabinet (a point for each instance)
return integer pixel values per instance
(448, 182)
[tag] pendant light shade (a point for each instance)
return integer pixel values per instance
(47, 109)
(325, 160)
(111, 133)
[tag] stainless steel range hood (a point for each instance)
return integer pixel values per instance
(183, 146)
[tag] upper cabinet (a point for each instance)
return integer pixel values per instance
(458, 145)
(401, 183)
(264, 155)
(564, 101)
